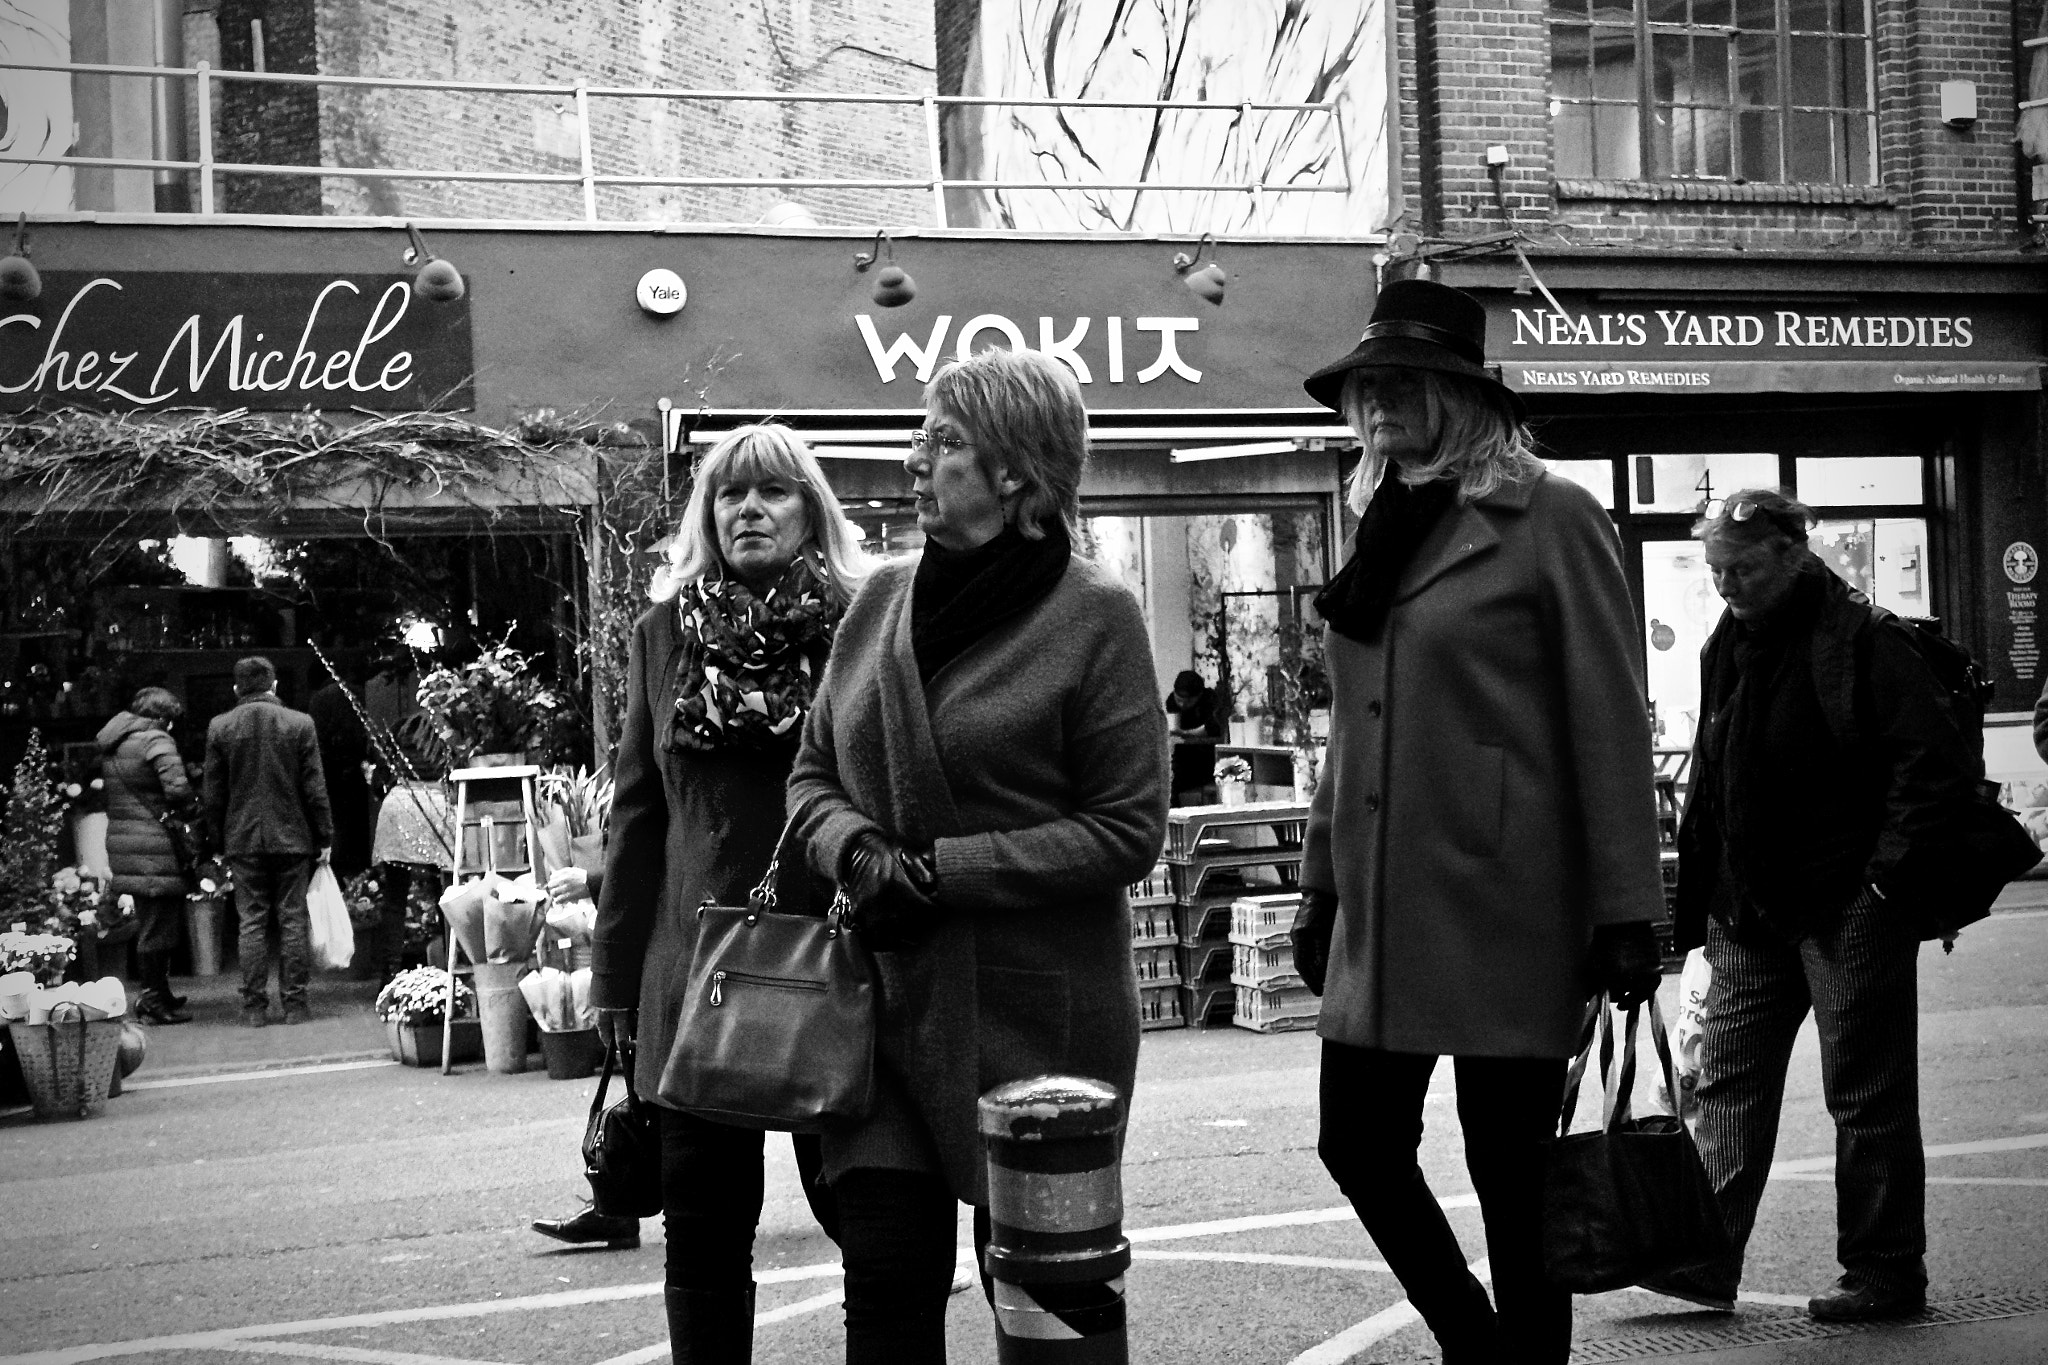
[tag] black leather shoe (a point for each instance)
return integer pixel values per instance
(617, 1234)
(1851, 1300)
(152, 1008)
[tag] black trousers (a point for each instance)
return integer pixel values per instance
(1860, 979)
(896, 1239)
(1508, 1106)
(711, 1190)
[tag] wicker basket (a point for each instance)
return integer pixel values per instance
(69, 1066)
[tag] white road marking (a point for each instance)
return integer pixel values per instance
(2023, 1182)
(1299, 1218)
(1746, 1296)
(224, 1077)
(647, 1355)
(1261, 1258)
(307, 1350)
(2025, 1143)
(1353, 1340)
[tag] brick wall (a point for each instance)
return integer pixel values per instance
(279, 124)
(785, 46)
(1477, 73)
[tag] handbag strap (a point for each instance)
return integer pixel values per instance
(1622, 1079)
(1577, 1074)
(1667, 1070)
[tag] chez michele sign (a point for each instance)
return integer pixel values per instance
(150, 340)
(1905, 343)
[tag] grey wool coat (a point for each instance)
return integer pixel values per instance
(1487, 798)
(143, 776)
(1035, 766)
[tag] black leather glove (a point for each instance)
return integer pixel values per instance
(616, 1028)
(1314, 922)
(1624, 962)
(893, 890)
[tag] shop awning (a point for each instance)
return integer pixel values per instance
(1773, 376)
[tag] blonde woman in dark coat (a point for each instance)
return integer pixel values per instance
(1481, 853)
(144, 777)
(721, 675)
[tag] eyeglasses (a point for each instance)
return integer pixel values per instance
(1742, 509)
(936, 442)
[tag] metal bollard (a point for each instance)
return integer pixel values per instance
(1057, 1251)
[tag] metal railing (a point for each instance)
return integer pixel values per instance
(589, 179)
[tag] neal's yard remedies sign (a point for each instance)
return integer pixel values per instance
(1899, 344)
(150, 340)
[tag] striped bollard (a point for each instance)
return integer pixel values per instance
(1057, 1251)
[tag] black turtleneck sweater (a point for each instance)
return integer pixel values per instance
(959, 596)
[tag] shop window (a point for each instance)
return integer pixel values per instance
(1595, 476)
(1767, 91)
(1681, 483)
(1865, 481)
(1885, 557)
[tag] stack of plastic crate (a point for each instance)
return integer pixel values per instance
(1155, 952)
(1214, 856)
(1269, 994)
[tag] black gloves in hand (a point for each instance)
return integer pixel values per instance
(1625, 963)
(892, 889)
(1313, 924)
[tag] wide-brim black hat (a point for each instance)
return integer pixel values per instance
(1420, 325)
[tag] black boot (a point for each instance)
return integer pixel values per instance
(710, 1326)
(618, 1234)
(155, 969)
(152, 1008)
(1469, 1335)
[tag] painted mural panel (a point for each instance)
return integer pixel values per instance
(35, 106)
(1273, 51)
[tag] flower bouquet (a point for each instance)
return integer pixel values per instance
(492, 705)
(364, 895)
(42, 956)
(213, 880)
(413, 1006)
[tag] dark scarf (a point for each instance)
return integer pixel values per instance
(958, 596)
(1396, 522)
(750, 664)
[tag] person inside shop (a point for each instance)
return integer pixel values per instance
(758, 575)
(983, 773)
(145, 781)
(1195, 716)
(1825, 758)
(266, 808)
(1481, 853)
(344, 748)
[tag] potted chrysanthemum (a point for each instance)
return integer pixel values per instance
(414, 1004)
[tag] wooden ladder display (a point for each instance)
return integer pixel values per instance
(492, 806)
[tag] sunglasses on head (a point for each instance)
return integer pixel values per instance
(1741, 509)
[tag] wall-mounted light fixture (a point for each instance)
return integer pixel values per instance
(1206, 282)
(438, 281)
(19, 282)
(893, 285)
(1959, 103)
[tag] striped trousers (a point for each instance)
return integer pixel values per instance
(1859, 979)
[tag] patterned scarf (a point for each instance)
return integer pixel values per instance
(750, 664)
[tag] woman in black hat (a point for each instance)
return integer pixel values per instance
(1482, 851)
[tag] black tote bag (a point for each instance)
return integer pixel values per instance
(1632, 1200)
(622, 1148)
(777, 1027)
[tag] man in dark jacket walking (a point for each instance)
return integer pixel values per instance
(266, 799)
(1826, 759)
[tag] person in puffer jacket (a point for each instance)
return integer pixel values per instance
(144, 778)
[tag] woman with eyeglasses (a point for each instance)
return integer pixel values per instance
(984, 773)
(723, 669)
(1481, 853)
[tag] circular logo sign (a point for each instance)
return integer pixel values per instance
(2021, 563)
(662, 292)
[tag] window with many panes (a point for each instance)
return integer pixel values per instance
(1772, 91)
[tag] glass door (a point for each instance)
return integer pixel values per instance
(1680, 608)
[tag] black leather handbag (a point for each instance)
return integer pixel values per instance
(622, 1148)
(1631, 1200)
(777, 1028)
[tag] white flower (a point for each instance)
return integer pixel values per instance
(127, 903)
(98, 784)
(72, 789)
(206, 885)
(65, 880)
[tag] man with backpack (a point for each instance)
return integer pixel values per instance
(1827, 776)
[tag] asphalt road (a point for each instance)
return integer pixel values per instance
(377, 1213)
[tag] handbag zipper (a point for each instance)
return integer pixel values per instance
(788, 983)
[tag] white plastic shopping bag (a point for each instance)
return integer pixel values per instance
(1693, 982)
(334, 941)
